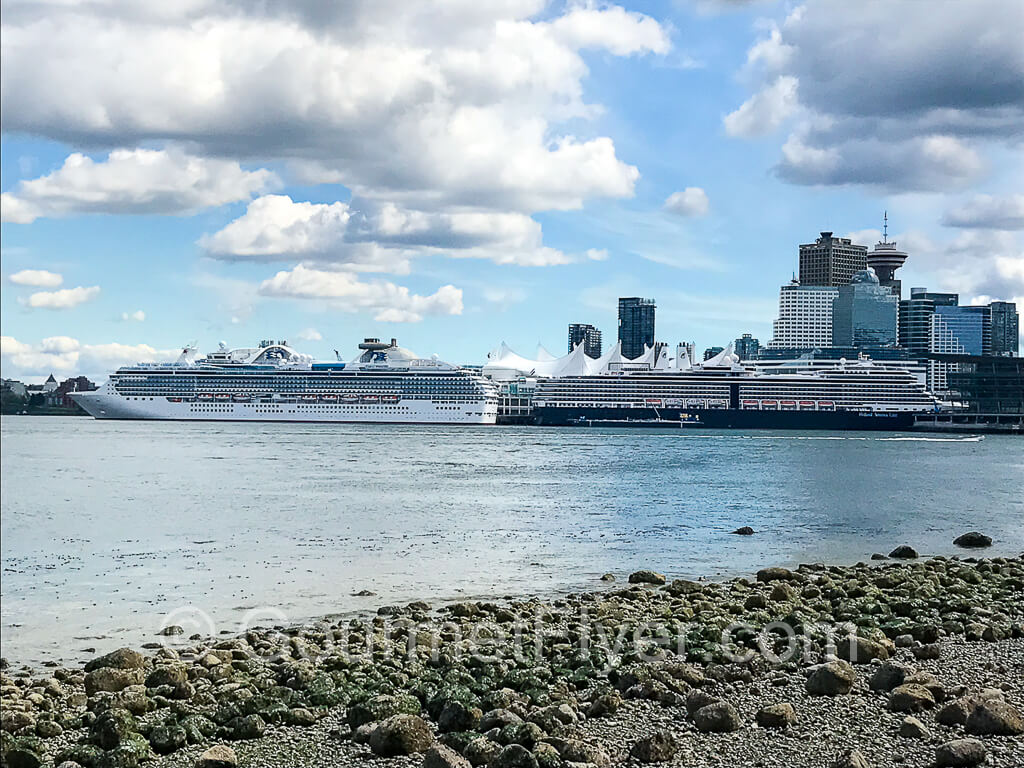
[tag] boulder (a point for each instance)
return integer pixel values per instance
(904, 553)
(646, 577)
(112, 679)
(834, 678)
(659, 747)
(401, 735)
(973, 539)
(604, 705)
(167, 738)
(910, 697)
(776, 715)
(960, 753)
(912, 728)
(217, 756)
(890, 674)
(862, 650)
(994, 717)
(767, 575)
(458, 716)
(514, 756)
(480, 751)
(122, 658)
(720, 717)
(112, 728)
(439, 756)
(852, 758)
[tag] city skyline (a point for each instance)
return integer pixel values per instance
(673, 150)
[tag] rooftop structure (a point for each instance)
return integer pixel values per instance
(831, 261)
(885, 259)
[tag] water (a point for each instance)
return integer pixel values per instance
(108, 527)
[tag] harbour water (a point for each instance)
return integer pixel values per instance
(109, 528)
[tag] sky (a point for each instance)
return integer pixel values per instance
(456, 174)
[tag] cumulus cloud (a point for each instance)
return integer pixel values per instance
(67, 356)
(692, 201)
(136, 181)
(137, 316)
(66, 298)
(37, 278)
(392, 303)
(365, 236)
(868, 99)
(425, 106)
(987, 212)
(765, 111)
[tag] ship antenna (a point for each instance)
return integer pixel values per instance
(885, 227)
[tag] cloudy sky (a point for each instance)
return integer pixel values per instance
(459, 173)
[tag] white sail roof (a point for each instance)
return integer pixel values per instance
(504, 363)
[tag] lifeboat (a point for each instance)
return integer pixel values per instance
(718, 404)
(330, 398)
(691, 403)
(826, 405)
(653, 401)
(769, 405)
(750, 404)
(241, 398)
(174, 399)
(309, 398)
(222, 396)
(807, 405)
(389, 399)
(673, 402)
(349, 399)
(371, 399)
(204, 396)
(789, 405)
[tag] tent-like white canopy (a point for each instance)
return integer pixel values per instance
(503, 363)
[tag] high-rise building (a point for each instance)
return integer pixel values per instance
(1005, 329)
(636, 325)
(885, 259)
(831, 261)
(935, 323)
(712, 351)
(864, 313)
(588, 336)
(805, 317)
(746, 347)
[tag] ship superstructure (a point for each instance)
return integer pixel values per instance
(857, 394)
(273, 382)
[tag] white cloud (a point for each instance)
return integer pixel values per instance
(66, 298)
(310, 334)
(392, 303)
(67, 356)
(364, 236)
(988, 212)
(765, 111)
(692, 201)
(274, 226)
(137, 316)
(38, 278)
(894, 111)
(138, 181)
(427, 106)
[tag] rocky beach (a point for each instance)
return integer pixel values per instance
(899, 661)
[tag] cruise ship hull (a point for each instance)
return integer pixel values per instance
(722, 418)
(103, 404)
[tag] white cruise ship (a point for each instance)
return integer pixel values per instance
(273, 382)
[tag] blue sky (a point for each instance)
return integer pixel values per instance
(461, 176)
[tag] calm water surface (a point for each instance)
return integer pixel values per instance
(108, 527)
